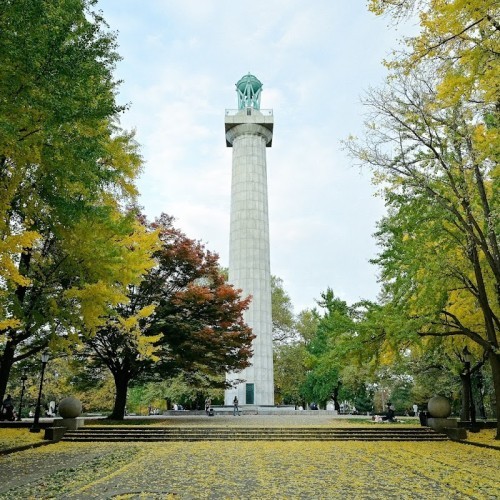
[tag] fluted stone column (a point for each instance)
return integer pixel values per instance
(249, 132)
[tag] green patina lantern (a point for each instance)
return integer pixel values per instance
(249, 88)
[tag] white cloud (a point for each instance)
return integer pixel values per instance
(181, 61)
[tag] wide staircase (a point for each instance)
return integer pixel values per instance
(119, 433)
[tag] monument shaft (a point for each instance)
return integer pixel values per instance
(249, 131)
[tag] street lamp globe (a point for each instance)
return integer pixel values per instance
(45, 356)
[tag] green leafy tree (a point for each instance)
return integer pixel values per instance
(67, 246)
(290, 372)
(348, 351)
(282, 312)
(290, 335)
(432, 140)
(324, 380)
(190, 392)
(440, 254)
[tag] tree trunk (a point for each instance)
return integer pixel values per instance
(121, 386)
(465, 411)
(335, 396)
(5, 366)
(10, 347)
(495, 371)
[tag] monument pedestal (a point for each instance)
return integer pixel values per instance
(54, 433)
(440, 424)
(72, 424)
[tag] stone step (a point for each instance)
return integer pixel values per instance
(274, 430)
(108, 433)
(249, 432)
(247, 438)
(254, 435)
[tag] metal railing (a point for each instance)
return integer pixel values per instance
(233, 112)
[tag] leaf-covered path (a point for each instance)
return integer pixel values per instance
(251, 470)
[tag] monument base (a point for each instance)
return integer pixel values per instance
(54, 433)
(71, 424)
(440, 424)
(456, 434)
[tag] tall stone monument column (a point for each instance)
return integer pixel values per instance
(249, 130)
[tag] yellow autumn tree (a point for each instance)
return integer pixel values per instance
(460, 37)
(433, 142)
(70, 239)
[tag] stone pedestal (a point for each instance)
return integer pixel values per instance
(55, 433)
(71, 424)
(440, 424)
(456, 434)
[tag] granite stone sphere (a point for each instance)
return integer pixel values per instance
(439, 407)
(70, 407)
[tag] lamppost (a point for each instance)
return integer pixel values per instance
(36, 427)
(467, 360)
(24, 377)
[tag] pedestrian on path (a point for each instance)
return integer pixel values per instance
(236, 409)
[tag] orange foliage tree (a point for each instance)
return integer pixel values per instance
(182, 318)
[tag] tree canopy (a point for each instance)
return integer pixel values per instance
(182, 319)
(68, 243)
(432, 139)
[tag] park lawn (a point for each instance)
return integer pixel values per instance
(485, 436)
(12, 438)
(261, 470)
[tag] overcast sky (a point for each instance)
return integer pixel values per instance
(181, 60)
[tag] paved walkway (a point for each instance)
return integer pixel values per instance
(251, 470)
(297, 420)
(254, 420)
(255, 470)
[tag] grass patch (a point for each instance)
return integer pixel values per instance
(485, 436)
(12, 438)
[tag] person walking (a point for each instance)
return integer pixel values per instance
(208, 404)
(236, 409)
